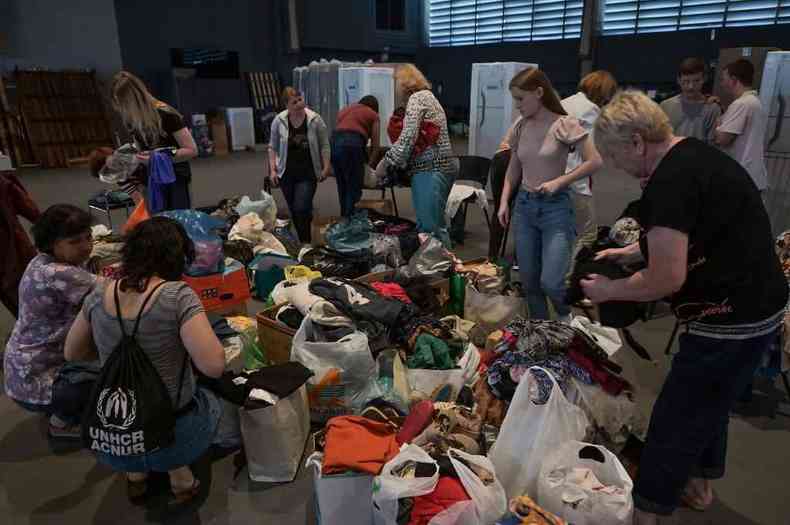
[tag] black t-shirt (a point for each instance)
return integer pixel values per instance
(734, 276)
(299, 165)
(171, 123)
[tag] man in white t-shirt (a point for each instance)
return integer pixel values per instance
(595, 91)
(741, 130)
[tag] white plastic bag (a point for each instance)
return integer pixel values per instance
(490, 500)
(491, 311)
(266, 209)
(530, 431)
(389, 487)
(425, 383)
(345, 372)
(564, 489)
(461, 513)
(275, 437)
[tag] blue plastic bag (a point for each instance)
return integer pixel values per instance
(352, 236)
(202, 229)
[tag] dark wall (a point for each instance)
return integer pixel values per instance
(60, 35)
(350, 25)
(450, 68)
(645, 59)
(148, 29)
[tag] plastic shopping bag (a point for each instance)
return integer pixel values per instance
(425, 384)
(491, 311)
(530, 431)
(389, 487)
(275, 437)
(202, 229)
(481, 483)
(345, 372)
(608, 339)
(586, 485)
(265, 208)
(461, 513)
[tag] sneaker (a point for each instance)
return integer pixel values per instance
(64, 432)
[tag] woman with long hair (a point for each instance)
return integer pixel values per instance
(172, 327)
(423, 149)
(155, 125)
(545, 229)
(299, 158)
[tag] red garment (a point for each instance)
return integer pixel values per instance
(393, 290)
(428, 134)
(610, 383)
(358, 118)
(448, 492)
(358, 444)
(15, 245)
(418, 420)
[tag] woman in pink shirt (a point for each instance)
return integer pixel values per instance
(544, 222)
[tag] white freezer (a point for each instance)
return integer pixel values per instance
(491, 110)
(775, 99)
(357, 82)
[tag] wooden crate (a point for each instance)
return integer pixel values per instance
(274, 337)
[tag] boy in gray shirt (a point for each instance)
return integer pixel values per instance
(690, 113)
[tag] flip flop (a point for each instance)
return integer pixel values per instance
(184, 496)
(694, 503)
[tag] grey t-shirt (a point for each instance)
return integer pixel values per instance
(158, 335)
(747, 119)
(692, 119)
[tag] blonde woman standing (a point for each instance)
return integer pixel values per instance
(155, 125)
(424, 150)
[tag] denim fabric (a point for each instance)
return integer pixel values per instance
(348, 161)
(545, 233)
(429, 192)
(70, 392)
(687, 436)
(299, 194)
(194, 433)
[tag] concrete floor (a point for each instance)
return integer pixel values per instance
(41, 483)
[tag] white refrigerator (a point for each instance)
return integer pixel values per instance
(491, 105)
(775, 99)
(357, 82)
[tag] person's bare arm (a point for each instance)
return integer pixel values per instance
(664, 275)
(79, 341)
(187, 148)
(203, 346)
(375, 141)
(723, 139)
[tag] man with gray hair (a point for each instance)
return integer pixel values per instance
(697, 204)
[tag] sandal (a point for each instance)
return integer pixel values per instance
(184, 496)
(694, 503)
(136, 490)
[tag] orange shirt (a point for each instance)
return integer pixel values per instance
(358, 118)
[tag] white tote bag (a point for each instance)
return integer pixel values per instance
(491, 311)
(389, 487)
(275, 437)
(425, 383)
(530, 431)
(567, 485)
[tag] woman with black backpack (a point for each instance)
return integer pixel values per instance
(146, 412)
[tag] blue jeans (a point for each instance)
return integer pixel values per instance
(194, 433)
(545, 233)
(71, 392)
(299, 191)
(429, 192)
(687, 436)
(348, 162)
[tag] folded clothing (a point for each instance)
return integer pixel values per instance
(358, 444)
(432, 353)
(448, 492)
(279, 380)
(610, 383)
(419, 418)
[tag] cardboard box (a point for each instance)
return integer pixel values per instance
(219, 134)
(221, 291)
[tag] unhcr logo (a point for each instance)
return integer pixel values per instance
(116, 409)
